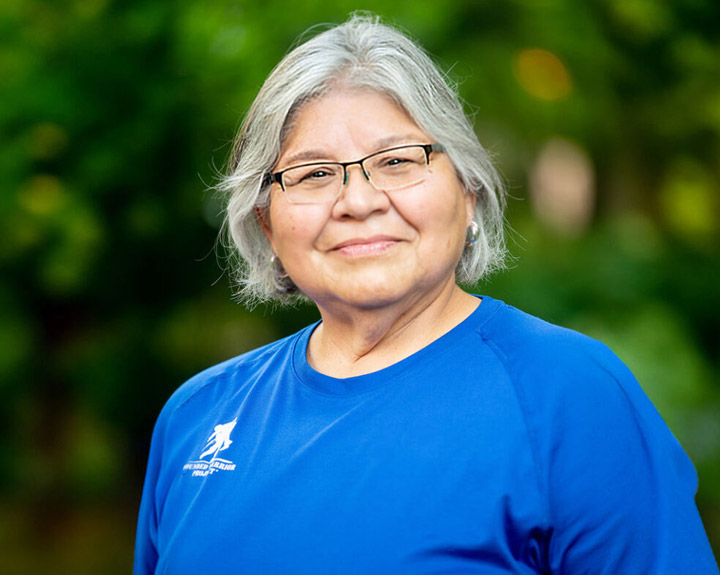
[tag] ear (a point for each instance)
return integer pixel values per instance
(470, 201)
(263, 219)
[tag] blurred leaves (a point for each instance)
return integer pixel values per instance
(115, 117)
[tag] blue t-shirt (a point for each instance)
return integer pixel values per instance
(507, 446)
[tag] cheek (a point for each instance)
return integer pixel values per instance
(296, 226)
(444, 208)
(287, 233)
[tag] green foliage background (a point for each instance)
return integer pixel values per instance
(113, 117)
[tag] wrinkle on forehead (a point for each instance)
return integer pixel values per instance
(314, 153)
(345, 83)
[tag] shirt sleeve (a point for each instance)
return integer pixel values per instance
(146, 537)
(620, 488)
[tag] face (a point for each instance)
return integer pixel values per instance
(368, 248)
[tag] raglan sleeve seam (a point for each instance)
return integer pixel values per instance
(538, 464)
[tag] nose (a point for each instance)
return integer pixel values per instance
(358, 197)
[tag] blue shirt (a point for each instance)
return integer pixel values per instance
(507, 446)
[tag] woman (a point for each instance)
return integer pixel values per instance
(416, 428)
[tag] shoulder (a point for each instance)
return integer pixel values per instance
(610, 469)
(574, 391)
(211, 386)
(528, 345)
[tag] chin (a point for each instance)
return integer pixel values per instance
(362, 295)
(376, 294)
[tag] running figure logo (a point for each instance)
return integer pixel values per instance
(218, 441)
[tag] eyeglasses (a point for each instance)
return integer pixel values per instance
(386, 170)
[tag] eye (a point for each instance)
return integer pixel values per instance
(396, 161)
(310, 175)
(318, 174)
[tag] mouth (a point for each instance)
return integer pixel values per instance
(356, 247)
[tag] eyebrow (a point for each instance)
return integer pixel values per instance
(306, 155)
(316, 154)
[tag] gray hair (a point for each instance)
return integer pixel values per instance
(361, 54)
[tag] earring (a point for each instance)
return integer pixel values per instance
(277, 267)
(472, 234)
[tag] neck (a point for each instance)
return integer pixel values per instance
(352, 341)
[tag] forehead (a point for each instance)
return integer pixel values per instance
(348, 121)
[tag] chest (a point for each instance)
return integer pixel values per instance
(416, 479)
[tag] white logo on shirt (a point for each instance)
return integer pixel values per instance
(218, 441)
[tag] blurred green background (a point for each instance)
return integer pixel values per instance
(603, 115)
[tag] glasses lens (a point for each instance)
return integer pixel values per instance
(398, 168)
(312, 183)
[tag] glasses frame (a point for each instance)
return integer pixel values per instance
(277, 177)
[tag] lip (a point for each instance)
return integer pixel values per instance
(365, 246)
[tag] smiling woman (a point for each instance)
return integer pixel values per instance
(365, 58)
(417, 428)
